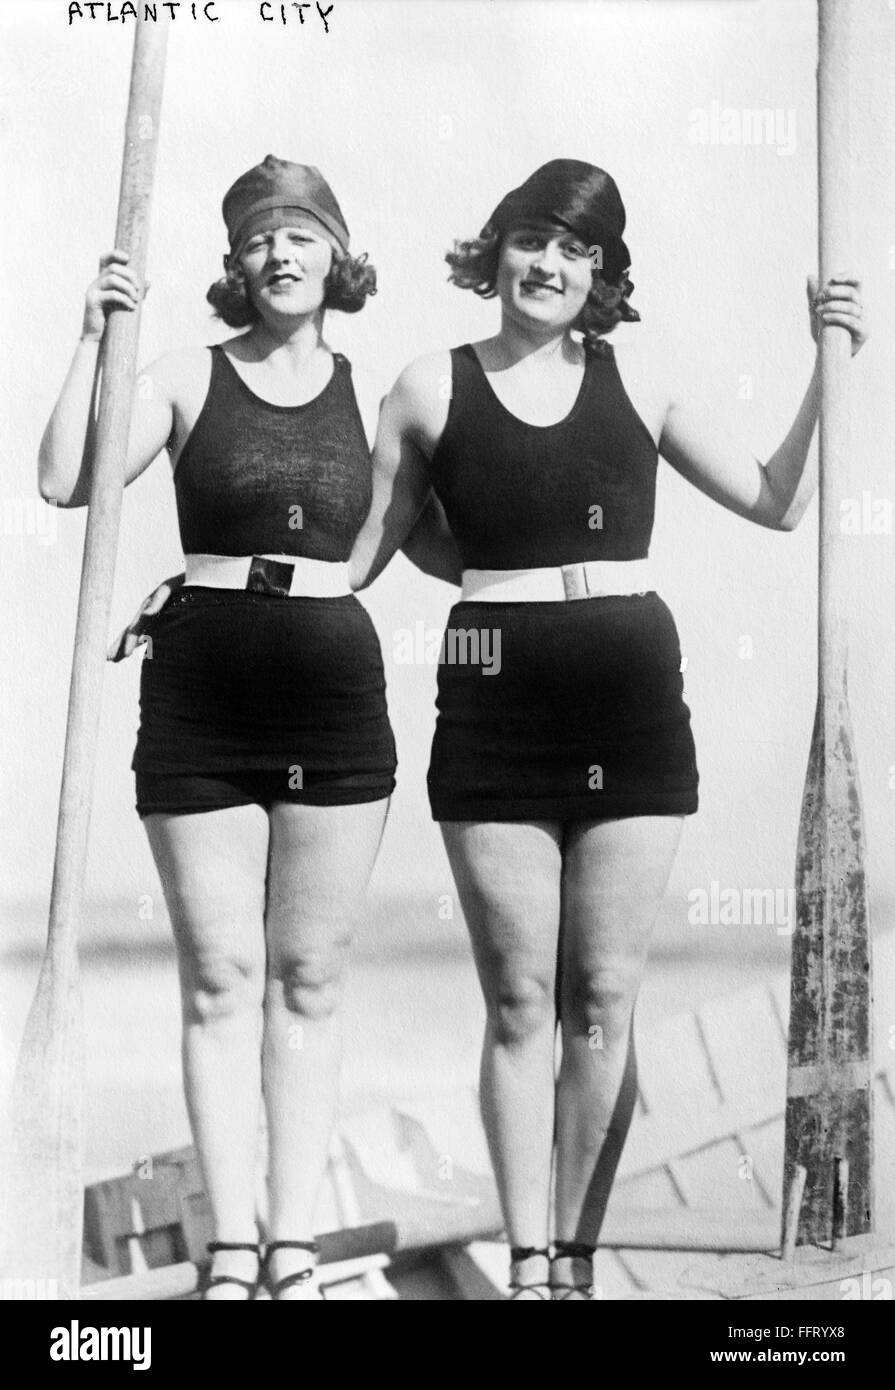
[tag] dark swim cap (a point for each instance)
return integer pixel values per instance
(277, 192)
(578, 196)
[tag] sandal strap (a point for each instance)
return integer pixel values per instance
(213, 1280)
(216, 1279)
(525, 1252)
(277, 1286)
(310, 1245)
(572, 1250)
(300, 1277)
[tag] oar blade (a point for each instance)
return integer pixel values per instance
(43, 1174)
(829, 1082)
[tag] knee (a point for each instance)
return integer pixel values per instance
(599, 1002)
(311, 986)
(219, 985)
(520, 1007)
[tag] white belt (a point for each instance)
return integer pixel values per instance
(588, 579)
(290, 576)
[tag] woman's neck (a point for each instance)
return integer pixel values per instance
(294, 342)
(514, 344)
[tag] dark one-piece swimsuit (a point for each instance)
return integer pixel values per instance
(581, 714)
(257, 697)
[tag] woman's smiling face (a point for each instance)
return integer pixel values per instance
(285, 270)
(544, 274)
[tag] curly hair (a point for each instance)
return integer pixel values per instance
(474, 267)
(349, 282)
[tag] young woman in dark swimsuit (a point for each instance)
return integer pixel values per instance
(265, 759)
(562, 779)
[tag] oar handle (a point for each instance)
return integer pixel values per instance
(834, 246)
(101, 541)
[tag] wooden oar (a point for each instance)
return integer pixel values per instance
(44, 1178)
(829, 1097)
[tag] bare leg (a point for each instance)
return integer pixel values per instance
(508, 880)
(213, 866)
(321, 858)
(614, 875)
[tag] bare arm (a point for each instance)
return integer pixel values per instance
(401, 490)
(698, 445)
(431, 546)
(66, 449)
(775, 494)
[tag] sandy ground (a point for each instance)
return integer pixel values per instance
(414, 1016)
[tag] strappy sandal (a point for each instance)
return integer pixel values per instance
(518, 1253)
(572, 1250)
(212, 1281)
(277, 1286)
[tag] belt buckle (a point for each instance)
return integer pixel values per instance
(270, 576)
(574, 581)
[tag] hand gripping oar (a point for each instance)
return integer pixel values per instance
(42, 1220)
(829, 1096)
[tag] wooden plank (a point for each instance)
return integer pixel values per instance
(483, 1272)
(106, 1215)
(436, 1200)
(362, 1270)
(357, 1281)
(182, 1280)
(416, 1227)
(874, 1283)
(156, 1285)
(683, 1228)
(160, 1208)
(664, 1295)
(423, 1282)
(655, 1269)
(677, 1229)
(765, 1276)
(477, 1275)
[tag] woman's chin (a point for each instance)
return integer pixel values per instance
(283, 310)
(539, 314)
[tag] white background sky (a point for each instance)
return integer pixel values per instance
(422, 115)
